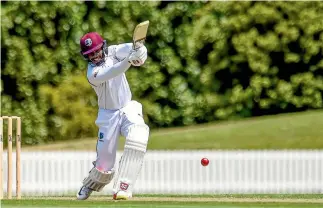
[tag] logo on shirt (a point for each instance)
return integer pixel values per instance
(95, 73)
(88, 42)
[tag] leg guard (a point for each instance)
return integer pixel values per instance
(132, 158)
(97, 179)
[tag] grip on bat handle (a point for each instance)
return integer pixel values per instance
(136, 45)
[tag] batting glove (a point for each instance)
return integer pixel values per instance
(138, 57)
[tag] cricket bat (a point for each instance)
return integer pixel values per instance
(139, 34)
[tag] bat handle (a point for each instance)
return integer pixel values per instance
(138, 44)
(134, 45)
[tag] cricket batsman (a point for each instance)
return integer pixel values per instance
(118, 115)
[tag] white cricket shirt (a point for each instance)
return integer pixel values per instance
(109, 80)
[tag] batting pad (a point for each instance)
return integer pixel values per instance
(131, 161)
(97, 179)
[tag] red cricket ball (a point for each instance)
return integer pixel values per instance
(205, 161)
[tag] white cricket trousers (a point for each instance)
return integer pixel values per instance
(112, 124)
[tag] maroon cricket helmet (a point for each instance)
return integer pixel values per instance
(90, 42)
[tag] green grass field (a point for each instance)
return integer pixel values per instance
(286, 131)
(204, 201)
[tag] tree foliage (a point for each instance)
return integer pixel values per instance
(207, 61)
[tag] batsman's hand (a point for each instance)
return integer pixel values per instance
(138, 57)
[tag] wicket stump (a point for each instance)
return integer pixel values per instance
(9, 156)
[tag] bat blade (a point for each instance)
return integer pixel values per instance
(140, 33)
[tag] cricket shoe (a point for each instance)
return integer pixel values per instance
(122, 195)
(84, 193)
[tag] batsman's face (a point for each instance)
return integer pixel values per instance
(96, 56)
